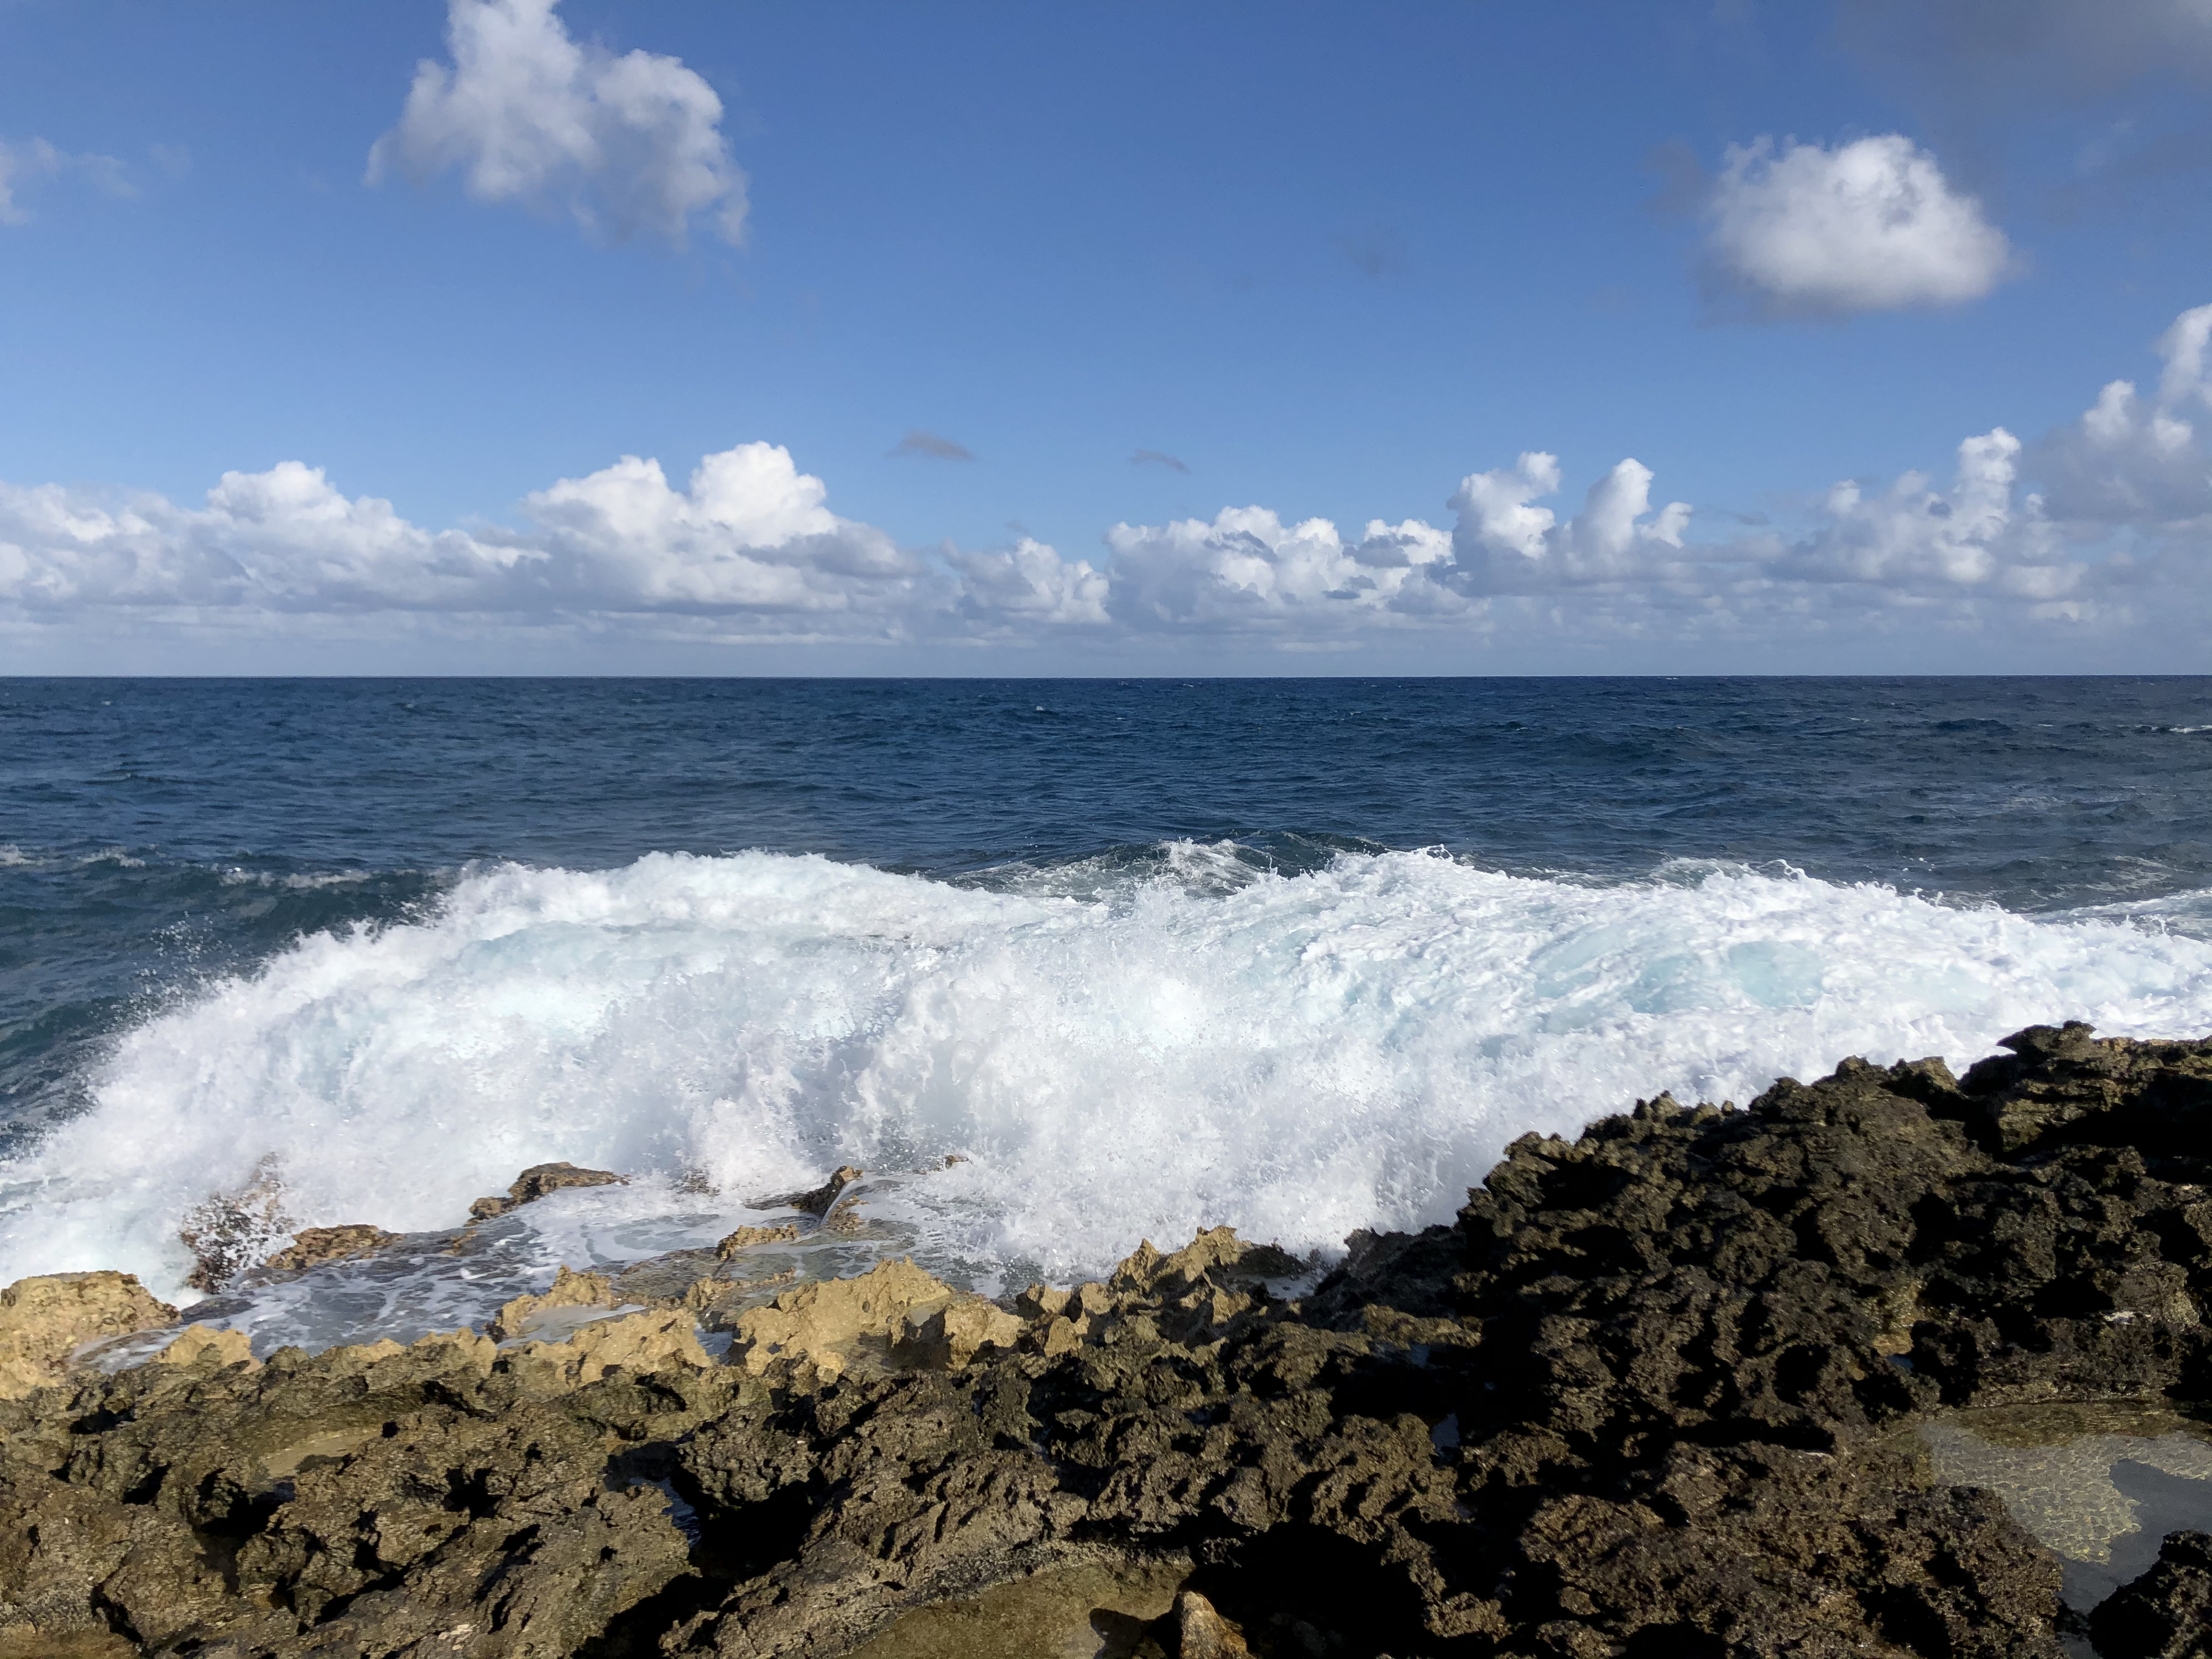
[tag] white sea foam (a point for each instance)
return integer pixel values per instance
(1299, 1056)
(315, 882)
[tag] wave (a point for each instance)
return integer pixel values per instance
(1199, 1041)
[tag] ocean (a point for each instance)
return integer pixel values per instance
(1062, 964)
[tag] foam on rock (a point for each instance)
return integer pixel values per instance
(312, 1246)
(1643, 1396)
(536, 1182)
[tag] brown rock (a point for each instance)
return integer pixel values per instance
(570, 1290)
(950, 1335)
(312, 1246)
(745, 1237)
(228, 1232)
(1203, 1633)
(230, 1347)
(817, 1202)
(539, 1179)
(1042, 1301)
(640, 1342)
(46, 1319)
(825, 1322)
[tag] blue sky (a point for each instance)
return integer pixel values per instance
(1033, 339)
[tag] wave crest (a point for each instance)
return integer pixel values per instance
(1298, 1054)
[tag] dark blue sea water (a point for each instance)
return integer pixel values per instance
(1296, 953)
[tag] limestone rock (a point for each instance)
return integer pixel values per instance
(228, 1347)
(640, 1342)
(228, 1232)
(46, 1319)
(822, 1323)
(312, 1246)
(745, 1237)
(1658, 1389)
(1203, 1633)
(951, 1334)
(570, 1290)
(539, 1179)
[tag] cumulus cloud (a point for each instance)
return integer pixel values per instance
(1872, 225)
(931, 446)
(29, 160)
(526, 113)
(748, 538)
(2102, 526)
(1029, 584)
(2133, 459)
(1248, 571)
(1504, 545)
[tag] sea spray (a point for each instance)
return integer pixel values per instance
(1114, 1057)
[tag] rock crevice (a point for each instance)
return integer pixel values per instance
(1664, 1389)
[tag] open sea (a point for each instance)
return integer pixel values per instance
(1300, 956)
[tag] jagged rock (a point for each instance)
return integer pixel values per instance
(228, 1233)
(818, 1200)
(745, 1237)
(228, 1348)
(822, 1324)
(539, 1179)
(952, 1333)
(312, 1246)
(638, 1342)
(46, 1319)
(1658, 1390)
(1203, 1633)
(2167, 1613)
(570, 1290)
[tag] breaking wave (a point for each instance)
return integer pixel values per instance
(1192, 1042)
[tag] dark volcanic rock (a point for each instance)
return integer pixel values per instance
(2167, 1613)
(1656, 1393)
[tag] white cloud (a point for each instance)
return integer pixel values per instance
(750, 533)
(32, 158)
(749, 540)
(1029, 584)
(280, 540)
(1912, 538)
(526, 114)
(1505, 546)
(2131, 460)
(1248, 570)
(1868, 226)
(2103, 527)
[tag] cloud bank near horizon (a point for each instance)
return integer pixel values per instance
(2116, 536)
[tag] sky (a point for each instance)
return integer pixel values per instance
(511, 335)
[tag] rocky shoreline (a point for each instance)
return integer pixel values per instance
(1701, 1383)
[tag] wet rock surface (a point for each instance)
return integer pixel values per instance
(1659, 1391)
(2167, 1613)
(539, 1179)
(312, 1246)
(45, 1320)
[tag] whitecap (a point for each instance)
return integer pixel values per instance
(1297, 1055)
